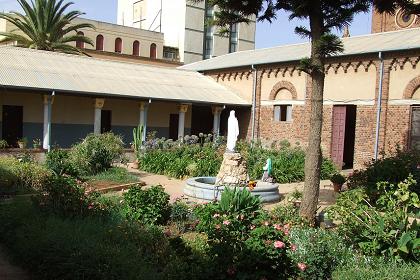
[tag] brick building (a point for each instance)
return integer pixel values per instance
(270, 79)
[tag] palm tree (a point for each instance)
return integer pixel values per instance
(45, 25)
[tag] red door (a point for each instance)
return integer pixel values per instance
(338, 134)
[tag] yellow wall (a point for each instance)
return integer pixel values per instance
(159, 112)
(32, 104)
(400, 78)
(242, 87)
(416, 95)
(350, 86)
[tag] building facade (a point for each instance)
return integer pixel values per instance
(378, 75)
(400, 20)
(185, 28)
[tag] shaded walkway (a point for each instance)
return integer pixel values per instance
(8, 271)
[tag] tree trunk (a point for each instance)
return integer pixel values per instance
(313, 158)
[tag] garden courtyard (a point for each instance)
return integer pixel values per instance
(91, 213)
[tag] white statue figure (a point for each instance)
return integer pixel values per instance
(233, 132)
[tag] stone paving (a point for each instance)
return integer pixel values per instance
(8, 271)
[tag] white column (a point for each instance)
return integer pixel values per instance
(48, 99)
(99, 104)
(143, 118)
(217, 111)
(183, 108)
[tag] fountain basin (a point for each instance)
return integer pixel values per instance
(204, 188)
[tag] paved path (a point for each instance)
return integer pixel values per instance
(174, 187)
(8, 271)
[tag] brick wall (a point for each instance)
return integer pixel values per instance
(386, 22)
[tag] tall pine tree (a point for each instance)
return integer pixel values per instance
(323, 17)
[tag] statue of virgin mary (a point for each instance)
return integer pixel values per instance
(233, 132)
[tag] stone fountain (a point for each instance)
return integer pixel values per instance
(233, 172)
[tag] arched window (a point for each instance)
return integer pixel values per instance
(118, 45)
(153, 51)
(80, 44)
(136, 48)
(99, 42)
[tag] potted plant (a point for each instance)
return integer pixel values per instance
(295, 198)
(338, 180)
(3, 144)
(36, 143)
(22, 143)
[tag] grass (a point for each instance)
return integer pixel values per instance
(115, 175)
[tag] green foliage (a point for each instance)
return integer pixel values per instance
(58, 160)
(67, 197)
(243, 243)
(23, 176)
(338, 179)
(378, 269)
(149, 206)
(237, 200)
(118, 175)
(3, 144)
(45, 26)
(386, 229)
(321, 250)
(137, 137)
(288, 214)
(391, 169)
(96, 153)
(7, 181)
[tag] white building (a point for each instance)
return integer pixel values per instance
(184, 26)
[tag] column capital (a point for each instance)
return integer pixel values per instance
(142, 105)
(183, 108)
(99, 103)
(46, 98)
(216, 110)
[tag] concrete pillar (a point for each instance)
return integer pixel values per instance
(183, 108)
(217, 111)
(99, 104)
(143, 106)
(46, 143)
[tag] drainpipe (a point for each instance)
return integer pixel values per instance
(254, 103)
(379, 102)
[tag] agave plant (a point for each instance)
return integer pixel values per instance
(45, 25)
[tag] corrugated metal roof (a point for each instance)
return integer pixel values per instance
(387, 41)
(41, 70)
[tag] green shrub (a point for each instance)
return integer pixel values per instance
(58, 160)
(384, 230)
(238, 201)
(7, 181)
(67, 197)
(288, 214)
(147, 205)
(378, 269)
(96, 153)
(321, 250)
(26, 176)
(181, 214)
(119, 175)
(3, 144)
(243, 243)
(392, 169)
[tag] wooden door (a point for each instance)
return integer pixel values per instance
(12, 125)
(173, 126)
(106, 120)
(415, 128)
(338, 134)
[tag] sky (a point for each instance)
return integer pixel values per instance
(280, 32)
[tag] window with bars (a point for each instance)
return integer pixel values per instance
(283, 113)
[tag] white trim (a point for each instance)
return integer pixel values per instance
(404, 102)
(368, 102)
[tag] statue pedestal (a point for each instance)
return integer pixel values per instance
(233, 170)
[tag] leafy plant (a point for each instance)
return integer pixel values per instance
(147, 205)
(36, 143)
(3, 144)
(288, 214)
(96, 153)
(338, 179)
(137, 137)
(59, 161)
(385, 229)
(238, 200)
(45, 26)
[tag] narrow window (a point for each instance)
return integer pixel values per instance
(136, 48)
(79, 43)
(153, 51)
(99, 42)
(118, 45)
(233, 38)
(283, 113)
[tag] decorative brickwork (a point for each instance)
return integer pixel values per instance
(283, 85)
(387, 22)
(411, 88)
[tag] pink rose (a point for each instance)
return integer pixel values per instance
(279, 244)
(293, 247)
(266, 223)
(216, 215)
(226, 222)
(301, 266)
(277, 227)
